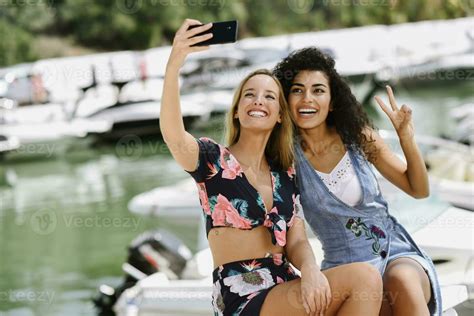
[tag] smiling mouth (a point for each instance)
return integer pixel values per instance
(307, 112)
(257, 114)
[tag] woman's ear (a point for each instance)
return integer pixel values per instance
(279, 118)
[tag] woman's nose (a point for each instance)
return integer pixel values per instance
(258, 100)
(307, 96)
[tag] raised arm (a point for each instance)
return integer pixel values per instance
(182, 145)
(315, 290)
(412, 176)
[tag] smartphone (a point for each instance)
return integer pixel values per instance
(223, 32)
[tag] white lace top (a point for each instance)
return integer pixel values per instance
(343, 181)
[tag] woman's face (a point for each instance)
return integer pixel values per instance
(310, 99)
(259, 105)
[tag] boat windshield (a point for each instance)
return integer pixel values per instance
(413, 214)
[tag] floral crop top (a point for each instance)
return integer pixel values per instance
(229, 200)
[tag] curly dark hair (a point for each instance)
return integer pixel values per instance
(348, 115)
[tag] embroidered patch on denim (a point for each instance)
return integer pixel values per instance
(373, 232)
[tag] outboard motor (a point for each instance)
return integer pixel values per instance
(151, 252)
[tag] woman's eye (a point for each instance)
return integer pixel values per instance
(295, 90)
(248, 94)
(319, 91)
(270, 97)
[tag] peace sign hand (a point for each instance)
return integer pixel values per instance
(401, 118)
(185, 38)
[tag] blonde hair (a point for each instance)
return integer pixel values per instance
(279, 148)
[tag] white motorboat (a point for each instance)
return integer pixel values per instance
(462, 111)
(179, 200)
(142, 118)
(44, 130)
(464, 129)
(450, 167)
(8, 144)
(217, 101)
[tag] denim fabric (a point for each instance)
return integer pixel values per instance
(365, 232)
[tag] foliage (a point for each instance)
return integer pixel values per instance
(140, 24)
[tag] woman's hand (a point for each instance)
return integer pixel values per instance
(185, 38)
(401, 118)
(315, 291)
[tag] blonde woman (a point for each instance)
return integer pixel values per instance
(250, 203)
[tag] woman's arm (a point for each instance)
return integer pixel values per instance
(298, 249)
(412, 176)
(315, 290)
(182, 145)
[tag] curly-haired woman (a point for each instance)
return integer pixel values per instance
(336, 149)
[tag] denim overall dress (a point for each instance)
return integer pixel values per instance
(365, 232)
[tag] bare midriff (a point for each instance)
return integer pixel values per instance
(232, 244)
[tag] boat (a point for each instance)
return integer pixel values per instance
(450, 167)
(163, 201)
(43, 130)
(8, 144)
(22, 84)
(142, 118)
(462, 111)
(224, 66)
(464, 129)
(134, 107)
(218, 101)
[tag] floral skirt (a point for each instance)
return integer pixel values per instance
(240, 287)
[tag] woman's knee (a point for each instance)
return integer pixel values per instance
(362, 282)
(366, 276)
(400, 276)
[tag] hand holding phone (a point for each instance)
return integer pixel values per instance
(184, 40)
(193, 36)
(222, 33)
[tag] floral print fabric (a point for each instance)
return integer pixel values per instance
(240, 287)
(228, 199)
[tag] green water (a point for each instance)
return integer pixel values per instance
(64, 223)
